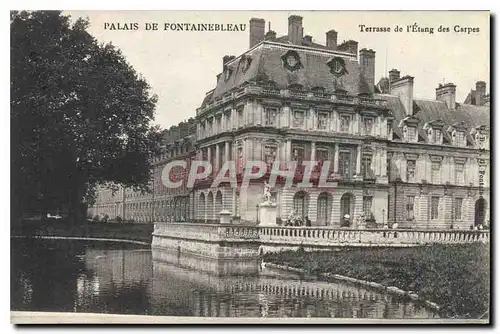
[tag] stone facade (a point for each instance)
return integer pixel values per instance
(393, 157)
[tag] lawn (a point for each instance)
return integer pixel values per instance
(456, 277)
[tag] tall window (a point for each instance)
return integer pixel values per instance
(227, 119)
(367, 206)
(271, 115)
(434, 207)
(322, 211)
(298, 154)
(389, 130)
(211, 127)
(321, 156)
(270, 154)
(299, 204)
(218, 127)
(368, 126)
(411, 134)
(410, 207)
(366, 166)
(460, 138)
(458, 208)
(388, 163)
(345, 164)
(436, 136)
(212, 155)
(240, 159)
(410, 170)
(230, 151)
(345, 122)
(459, 174)
(241, 116)
(322, 121)
(298, 118)
(221, 156)
(436, 172)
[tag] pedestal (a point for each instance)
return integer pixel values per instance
(225, 217)
(267, 214)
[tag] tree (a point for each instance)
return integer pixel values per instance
(80, 115)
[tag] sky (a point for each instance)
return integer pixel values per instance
(181, 66)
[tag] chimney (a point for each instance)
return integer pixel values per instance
(393, 75)
(403, 88)
(225, 59)
(331, 40)
(349, 46)
(307, 40)
(446, 93)
(367, 62)
(295, 30)
(270, 35)
(481, 88)
(257, 30)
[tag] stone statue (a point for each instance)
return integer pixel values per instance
(267, 193)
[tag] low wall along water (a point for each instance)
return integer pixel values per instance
(226, 249)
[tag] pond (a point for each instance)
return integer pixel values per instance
(121, 278)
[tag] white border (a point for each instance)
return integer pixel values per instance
(201, 5)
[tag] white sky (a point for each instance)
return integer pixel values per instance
(182, 66)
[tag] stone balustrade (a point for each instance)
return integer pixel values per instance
(320, 236)
(252, 89)
(226, 249)
(366, 237)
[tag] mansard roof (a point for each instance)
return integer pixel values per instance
(267, 66)
(431, 110)
(284, 39)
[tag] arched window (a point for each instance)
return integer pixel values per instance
(218, 203)
(301, 203)
(210, 206)
(323, 209)
(346, 208)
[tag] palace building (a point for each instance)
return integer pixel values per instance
(393, 157)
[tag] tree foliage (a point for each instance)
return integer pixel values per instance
(80, 115)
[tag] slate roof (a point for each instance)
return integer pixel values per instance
(284, 39)
(267, 65)
(430, 110)
(483, 99)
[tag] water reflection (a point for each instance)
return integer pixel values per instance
(117, 278)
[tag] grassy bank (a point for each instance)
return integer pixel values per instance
(456, 277)
(129, 231)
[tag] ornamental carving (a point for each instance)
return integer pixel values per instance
(245, 63)
(227, 73)
(337, 66)
(291, 60)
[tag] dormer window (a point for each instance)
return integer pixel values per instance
(337, 66)
(480, 135)
(459, 138)
(389, 130)
(437, 136)
(435, 131)
(227, 74)
(291, 60)
(411, 134)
